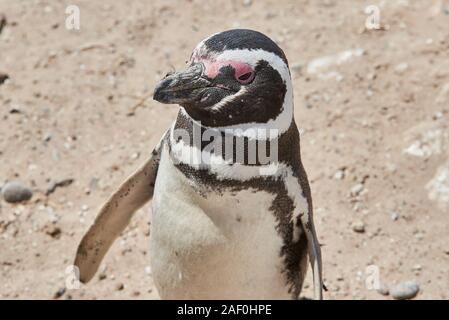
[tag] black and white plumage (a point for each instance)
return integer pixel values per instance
(224, 226)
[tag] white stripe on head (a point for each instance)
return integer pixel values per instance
(216, 107)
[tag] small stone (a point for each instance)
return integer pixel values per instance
(47, 137)
(358, 226)
(53, 231)
(357, 189)
(58, 184)
(383, 290)
(135, 155)
(58, 294)
(120, 286)
(339, 175)
(3, 77)
(102, 276)
(247, 3)
(405, 290)
(401, 68)
(394, 216)
(148, 270)
(417, 268)
(15, 191)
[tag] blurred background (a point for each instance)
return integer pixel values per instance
(372, 101)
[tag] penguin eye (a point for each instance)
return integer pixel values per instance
(245, 78)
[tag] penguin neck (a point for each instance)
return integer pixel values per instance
(198, 146)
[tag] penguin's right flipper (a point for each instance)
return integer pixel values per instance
(115, 215)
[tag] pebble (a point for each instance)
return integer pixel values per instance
(357, 189)
(401, 68)
(417, 268)
(405, 290)
(53, 231)
(358, 226)
(247, 3)
(383, 290)
(58, 294)
(102, 276)
(47, 137)
(120, 286)
(58, 184)
(15, 191)
(394, 216)
(148, 270)
(339, 175)
(3, 77)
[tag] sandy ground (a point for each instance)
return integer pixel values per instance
(374, 117)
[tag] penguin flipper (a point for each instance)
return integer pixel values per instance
(115, 215)
(314, 255)
(314, 248)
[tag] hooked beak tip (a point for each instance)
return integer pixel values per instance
(159, 93)
(180, 87)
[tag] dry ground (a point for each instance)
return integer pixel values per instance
(376, 124)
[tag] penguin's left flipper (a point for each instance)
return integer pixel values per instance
(314, 254)
(115, 215)
(314, 248)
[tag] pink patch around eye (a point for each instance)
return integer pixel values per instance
(241, 69)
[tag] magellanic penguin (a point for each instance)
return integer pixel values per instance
(227, 223)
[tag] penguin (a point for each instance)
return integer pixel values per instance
(232, 214)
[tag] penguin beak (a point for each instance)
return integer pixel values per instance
(183, 87)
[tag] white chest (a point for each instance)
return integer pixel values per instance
(223, 246)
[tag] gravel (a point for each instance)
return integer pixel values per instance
(394, 216)
(16, 191)
(383, 290)
(58, 294)
(119, 286)
(405, 290)
(401, 68)
(357, 189)
(53, 231)
(58, 184)
(358, 226)
(3, 77)
(339, 175)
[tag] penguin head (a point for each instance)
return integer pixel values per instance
(233, 78)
